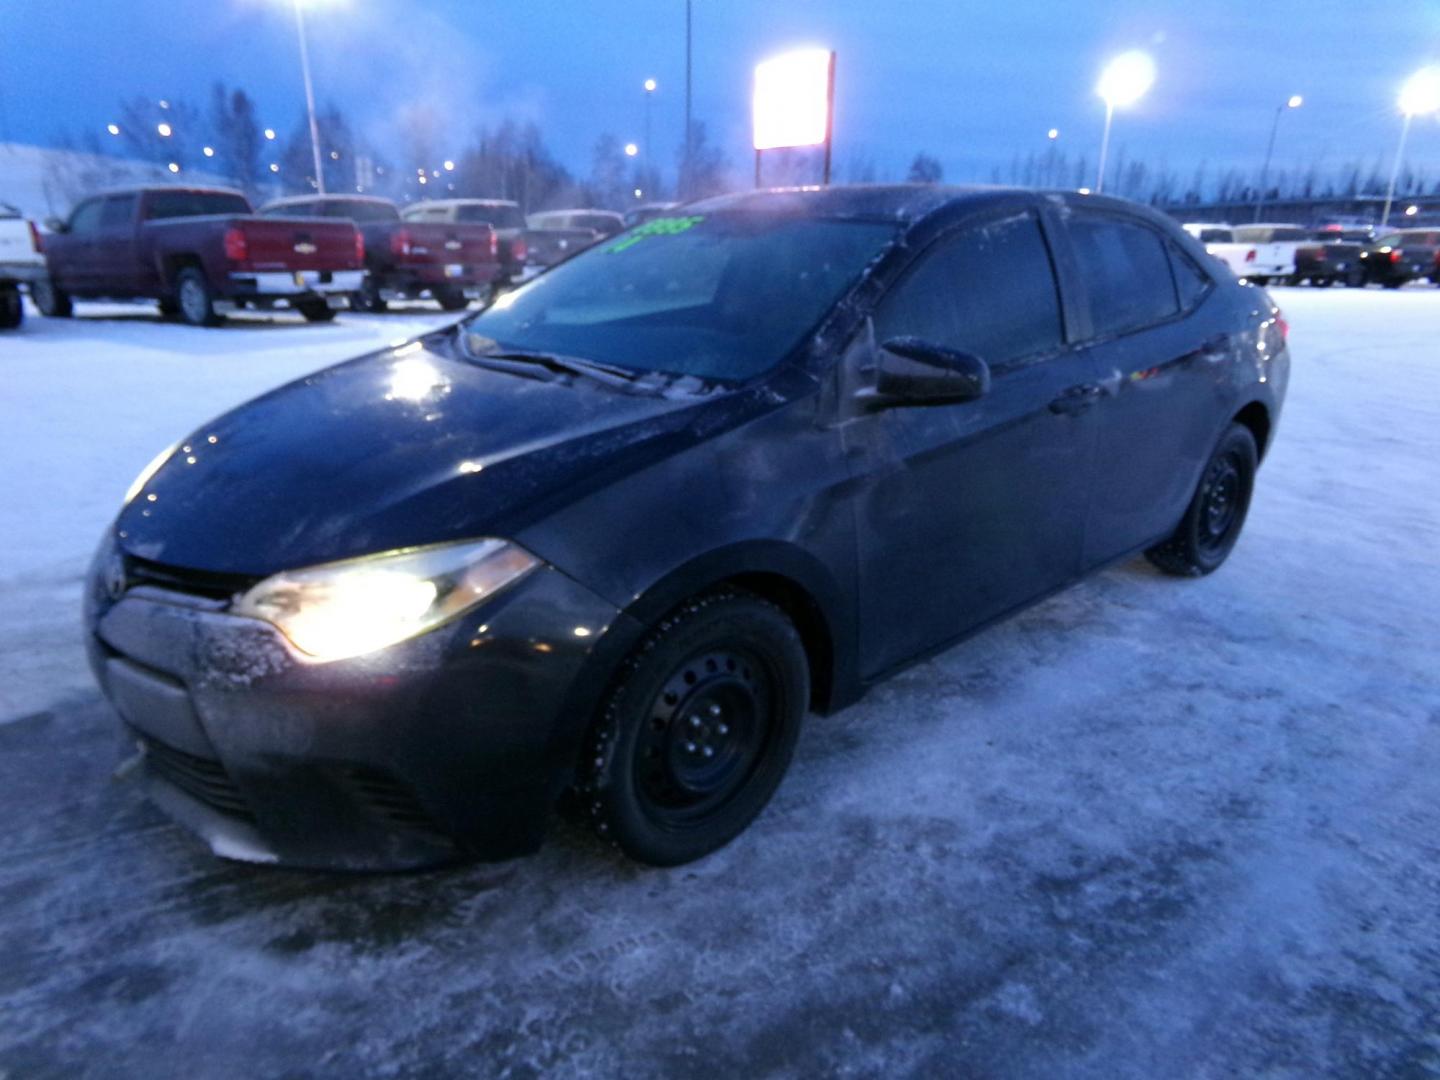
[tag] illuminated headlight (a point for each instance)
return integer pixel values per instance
(344, 609)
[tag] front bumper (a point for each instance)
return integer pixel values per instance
(447, 745)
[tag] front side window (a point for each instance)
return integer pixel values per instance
(1126, 273)
(722, 296)
(119, 211)
(86, 218)
(989, 291)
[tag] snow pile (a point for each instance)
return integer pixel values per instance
(43, 183)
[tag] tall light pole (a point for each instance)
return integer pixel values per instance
(1123, 82)
(650, 85)
(309, 96)
(1420, 95)
(685, 157)
(1294, 102)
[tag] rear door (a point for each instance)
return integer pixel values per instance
(971, 509)
(1162, 350)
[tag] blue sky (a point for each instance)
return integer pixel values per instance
(971, 83)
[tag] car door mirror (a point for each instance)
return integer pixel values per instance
(55, 225)
(912, 371)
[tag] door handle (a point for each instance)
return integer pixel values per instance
(1077, 399)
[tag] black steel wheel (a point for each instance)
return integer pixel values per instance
(12, 309)
(1216, 513)
(367, 297)
(450, 299)
(52, 301)
(697, 731)
(315, 310)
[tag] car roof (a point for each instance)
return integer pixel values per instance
(290, 200)
(576, 210)
(462, 202)
(153, 189)
(906, 204)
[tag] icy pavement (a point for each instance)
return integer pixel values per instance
(1149, 828)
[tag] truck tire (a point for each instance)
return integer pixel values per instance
(451, 299)
(54, 303)
(697, 729)
(12, 308)
(315, 310)
(1355, 279)
(368, 298)
(195, 298)
(1216, 514)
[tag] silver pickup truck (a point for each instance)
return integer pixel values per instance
(21, 260)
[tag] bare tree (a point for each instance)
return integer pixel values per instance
(925, 169)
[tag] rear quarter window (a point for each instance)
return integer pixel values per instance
(1126, 272)
(1192, 283)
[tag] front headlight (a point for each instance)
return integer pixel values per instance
(344, 609)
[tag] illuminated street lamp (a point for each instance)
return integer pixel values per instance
(1420, 96)
(650, 85)
(631, 149)
(113, 129)
(164, 130)
(1294, 102)
(1123, 82)
(208, 151)
(449, 166)
(174, 167)
(270, 134)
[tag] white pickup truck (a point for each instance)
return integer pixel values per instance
(1258, 253)
(20, 260)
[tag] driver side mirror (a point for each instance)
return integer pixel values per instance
(55, 225)
(912, 371)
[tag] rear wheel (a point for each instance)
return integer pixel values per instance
(1216, 513)
(12, 308)
(450, 299)
(315, 310)
(52, 301)
(367, 297)
(1355, 279)
(697, 731)
(195, 298)
(1260, 279)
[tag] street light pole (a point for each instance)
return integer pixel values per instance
(686, 179)
(1294, 103)
(309, 96)
(1104, 146)
(650, 85)
(1395, 170)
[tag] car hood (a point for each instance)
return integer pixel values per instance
(413, 445)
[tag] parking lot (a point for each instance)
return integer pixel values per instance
(1151, 827)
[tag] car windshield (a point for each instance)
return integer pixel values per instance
(720, 296)
(502, 217)
(174, 204)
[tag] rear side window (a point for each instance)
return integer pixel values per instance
(173, 204)
(1215, 236)
(1191, 282)
(1126, 272)
(502, 217)
(989, 291)
(119, 211)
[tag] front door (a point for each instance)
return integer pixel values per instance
(965, 511)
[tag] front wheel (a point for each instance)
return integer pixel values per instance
(12, 308)
(315, 310)
(53, 302)
(1355, 279)
(1216, 513)
(698, 729)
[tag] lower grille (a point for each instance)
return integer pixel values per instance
(200, 778)
(391, 800)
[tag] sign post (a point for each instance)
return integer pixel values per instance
(794, 103)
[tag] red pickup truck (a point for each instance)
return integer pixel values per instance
(453, 262)
(199, 252)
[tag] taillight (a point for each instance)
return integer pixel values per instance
(1284, 326)
(359, 247)
(1396, 255)
(237, 248)
(518, 249)
(1250, 255)
(494, 244)
(35, 241)
(400, 242)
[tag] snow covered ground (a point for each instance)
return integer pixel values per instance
(1149, 828)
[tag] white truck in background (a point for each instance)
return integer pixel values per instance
(1258, 253)
(20, 261)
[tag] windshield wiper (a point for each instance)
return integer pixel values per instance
(506, 359)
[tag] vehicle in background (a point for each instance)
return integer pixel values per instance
(649, 212)
(555, 235)
(21, 262)
(199, 252)
(405, 260)
(1258, 253)
(500, 214)
(1403, 255)
(487, 596)
(1333, 257)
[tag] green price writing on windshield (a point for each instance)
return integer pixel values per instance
(664, 226)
